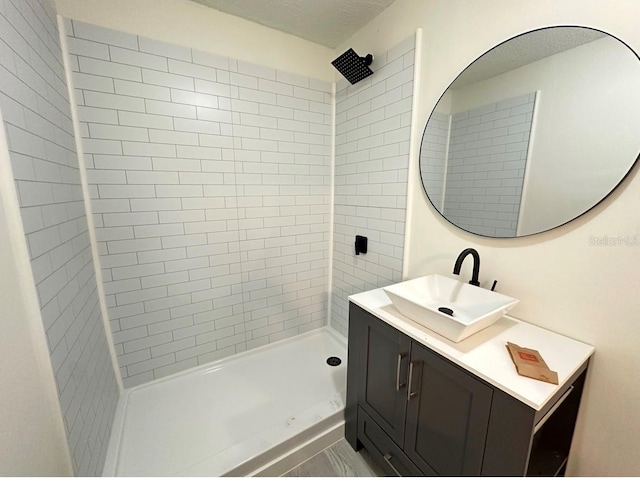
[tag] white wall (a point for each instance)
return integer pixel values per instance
(188, 24)
(32, 437)
(564, 283)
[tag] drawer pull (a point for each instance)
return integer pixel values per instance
(387, 458)
(399, 385)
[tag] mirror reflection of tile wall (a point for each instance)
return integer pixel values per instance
(485, 165)
(433, 157)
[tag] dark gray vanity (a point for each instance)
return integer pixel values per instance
(423, 405)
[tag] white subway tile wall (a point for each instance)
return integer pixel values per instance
(37, 119)
(373, 126)
(210, 185)
(485, 169)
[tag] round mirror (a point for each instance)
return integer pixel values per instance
(534, 133)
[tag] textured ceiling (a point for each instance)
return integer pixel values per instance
(326, 22)
(525, 49)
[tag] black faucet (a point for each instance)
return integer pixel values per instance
(476, 264)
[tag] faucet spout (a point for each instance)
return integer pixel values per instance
(476, 265)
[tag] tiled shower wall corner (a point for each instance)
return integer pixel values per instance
(373, 126)
(485, 170)
(36, 110)
(210, 186)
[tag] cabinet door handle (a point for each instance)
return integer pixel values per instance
(410, 392)
(400, 385)
(387, 458)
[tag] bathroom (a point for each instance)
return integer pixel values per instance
(565, 282)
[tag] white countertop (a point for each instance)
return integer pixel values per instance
(485, 353)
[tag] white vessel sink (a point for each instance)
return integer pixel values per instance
(474, 308)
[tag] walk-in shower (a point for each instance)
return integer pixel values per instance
(253, 413)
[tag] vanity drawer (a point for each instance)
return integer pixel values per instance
(385, 452)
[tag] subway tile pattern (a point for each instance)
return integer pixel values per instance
(210, 185)
(485, 169)
(433, 157)
(373, 126)
(36, 111)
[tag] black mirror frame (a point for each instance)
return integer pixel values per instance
(622, 179)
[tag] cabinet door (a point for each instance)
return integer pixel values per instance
(382, 386)
(447, 417)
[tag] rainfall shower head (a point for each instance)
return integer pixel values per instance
(352, 66)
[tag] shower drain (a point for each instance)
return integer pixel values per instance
(334, 361)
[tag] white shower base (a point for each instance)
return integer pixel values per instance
(236, 416)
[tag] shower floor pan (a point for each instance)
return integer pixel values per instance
(236, 417)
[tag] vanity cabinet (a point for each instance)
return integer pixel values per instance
(418, 413)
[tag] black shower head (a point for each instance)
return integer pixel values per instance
(353, 67)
